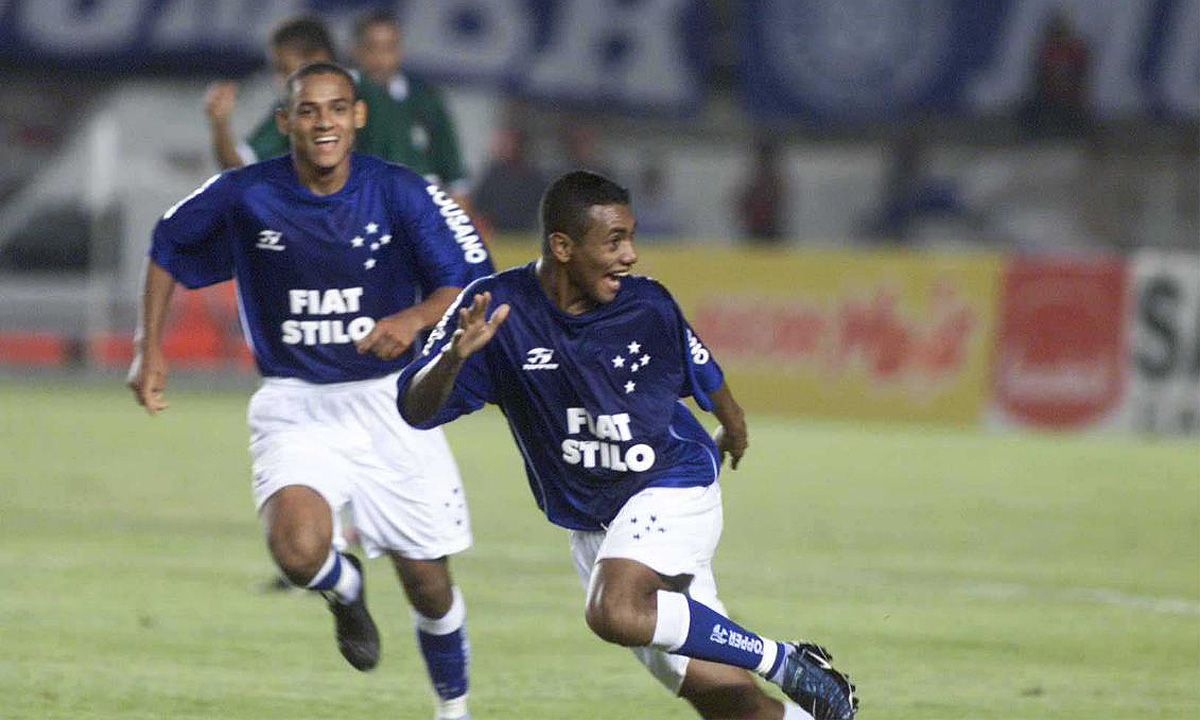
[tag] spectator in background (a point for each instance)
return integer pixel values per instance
(911, 193)
(657, 217)
(1057, 104)
(506, 198)
(579, 145)
(422, 131)
(760, 203)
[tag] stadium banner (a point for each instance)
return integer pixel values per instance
(1163, 315)
(863, 335)
(1060, 345)
(864, 60)
(644, 56)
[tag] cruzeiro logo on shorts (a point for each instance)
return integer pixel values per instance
(270, 240)
(539, 358)
(735, 639)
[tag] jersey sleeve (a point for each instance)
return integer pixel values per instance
(473, 387)
(448, 250)
(190, 240)
(702, 374)
(264, 142)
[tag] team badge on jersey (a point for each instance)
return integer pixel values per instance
(632, 361)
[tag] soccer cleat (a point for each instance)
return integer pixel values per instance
(357, 636)
(812, 683)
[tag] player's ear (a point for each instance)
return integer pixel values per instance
(360, 114)
(561, 246)
(281, 121)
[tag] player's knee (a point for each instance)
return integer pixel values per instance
(299, 552)
(616, 621)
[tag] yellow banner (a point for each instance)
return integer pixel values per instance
(869, 335)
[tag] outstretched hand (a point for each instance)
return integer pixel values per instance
(475, 328)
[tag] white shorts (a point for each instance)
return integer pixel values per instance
(399, 485)
(674, 531)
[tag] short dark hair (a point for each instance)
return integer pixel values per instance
(374, 16)
(306, 33)
(317, 68)
(565, 204)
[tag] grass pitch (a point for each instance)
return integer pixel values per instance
(953, 574)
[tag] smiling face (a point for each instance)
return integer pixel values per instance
(596, 262)
(320, 120)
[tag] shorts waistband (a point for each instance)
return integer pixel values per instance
(287, 383)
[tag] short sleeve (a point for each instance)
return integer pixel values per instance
(448, 250)
(190, 241)
(473, 387)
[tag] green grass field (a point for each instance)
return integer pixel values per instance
(953, 574)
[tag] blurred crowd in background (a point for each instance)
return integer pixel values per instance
(1060, 127)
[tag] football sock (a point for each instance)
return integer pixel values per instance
(690, 628)
(338, 576)
(443, 642)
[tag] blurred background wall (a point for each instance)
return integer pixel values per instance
(964, 211)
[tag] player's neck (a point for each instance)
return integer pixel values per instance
(322, 181)
(558, 287)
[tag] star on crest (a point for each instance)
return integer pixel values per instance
(385, 239)
(374, 247)
(370, 263)
(357, 241)
(618, 361)
(629, 387)
(634, 347)
(371, 228)
(644, 361)
(634, 367)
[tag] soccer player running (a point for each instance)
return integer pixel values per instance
(588, 364)
(341, 261)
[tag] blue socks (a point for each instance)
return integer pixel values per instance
(443, 643)
(338, 576)
(690, 628)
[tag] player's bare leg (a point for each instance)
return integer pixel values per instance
(299, 528)
(725, 691)
(441, 635)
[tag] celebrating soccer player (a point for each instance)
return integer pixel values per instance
(341, 261)
(588, 364)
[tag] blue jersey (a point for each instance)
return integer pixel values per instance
(592, 399)
(315, 272)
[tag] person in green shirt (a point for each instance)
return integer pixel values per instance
(388, 134)
(421, 131)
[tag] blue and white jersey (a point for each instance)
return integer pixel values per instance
(315, 272)
(592, 399)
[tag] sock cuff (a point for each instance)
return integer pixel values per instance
(674, 619)
(772, 657)
(448, 623)
(329, 573)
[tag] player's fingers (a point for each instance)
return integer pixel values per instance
(498, 316)
(368, 340)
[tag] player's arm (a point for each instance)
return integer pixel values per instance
(431, 386)
(218, 106)
(148, 372)
(731, 437)
(394, 333)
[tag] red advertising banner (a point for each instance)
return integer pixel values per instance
(1060, 343)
